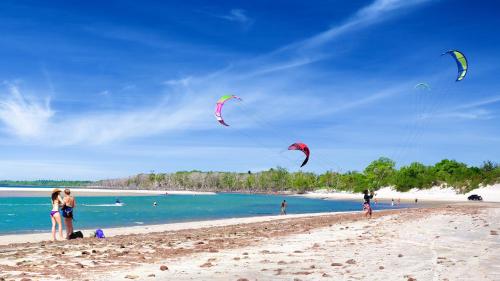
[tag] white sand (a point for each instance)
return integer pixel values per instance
(489, 193)
(110, 232)
(441, 246)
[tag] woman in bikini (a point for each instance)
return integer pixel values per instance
(67, 211)
(55, 217)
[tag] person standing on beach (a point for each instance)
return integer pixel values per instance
(366, 205)
(416, 200)
(67, 211)
(392, 202)
(283, 207)
(55, 217)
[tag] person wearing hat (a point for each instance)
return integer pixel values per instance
(55, 216)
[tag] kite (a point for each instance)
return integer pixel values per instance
(220, 103)
(302, 147)
(461, 61)
(423, 86)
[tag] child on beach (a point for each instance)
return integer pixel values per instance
(55, 217)
(67, 211)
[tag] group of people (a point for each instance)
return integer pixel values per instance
(62, 206)
(368, 195)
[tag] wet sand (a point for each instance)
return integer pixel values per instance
(459, 242)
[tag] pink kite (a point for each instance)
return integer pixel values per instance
(220, 103)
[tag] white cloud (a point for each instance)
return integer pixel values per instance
(24, 116)
(469, 111)
(237, 15)
(372, 13)
(308, 51)
(34, 121)
(484, 102)
(180, 82)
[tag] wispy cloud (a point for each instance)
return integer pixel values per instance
(34, 120)
(473, 110)
(237, 15)
(179, 82)
(477, 114)
(377, 11)
(307, 51)
(483, 102)
(24, 116)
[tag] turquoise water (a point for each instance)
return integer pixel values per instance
(31, 214)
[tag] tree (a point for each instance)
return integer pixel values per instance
(416, 175)
(352, 181)
(379, 173)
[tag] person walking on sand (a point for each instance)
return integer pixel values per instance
(55, 217)
(416, 200)
(367, 208)
(392, 202)
(283, 207)
(69, 204)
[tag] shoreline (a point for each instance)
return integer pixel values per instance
(6, 239)
(452, 241)
(44, 191)
(489, 193)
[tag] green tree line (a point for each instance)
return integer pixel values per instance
(379, 173)
(55, 183)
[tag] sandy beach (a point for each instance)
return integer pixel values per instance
(45, 192)
(449, 242)
(489, 193)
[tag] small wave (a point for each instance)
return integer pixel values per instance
(11, 215)
(103, 205)
(138, 222)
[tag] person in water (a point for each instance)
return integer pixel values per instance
(155, 204)
(366, 205)
(283, 207)
(55, 216)
(69, 204)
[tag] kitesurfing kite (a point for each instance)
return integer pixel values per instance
(220, 103)
(422, 86)
(302, 147)
(461, 61)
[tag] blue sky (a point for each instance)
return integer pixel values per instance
(95, 90)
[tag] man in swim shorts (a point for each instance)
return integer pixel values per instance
(69, 204)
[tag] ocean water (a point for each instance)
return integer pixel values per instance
(31, 214)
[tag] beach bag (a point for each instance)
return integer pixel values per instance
(99, 234)
(77, 234)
